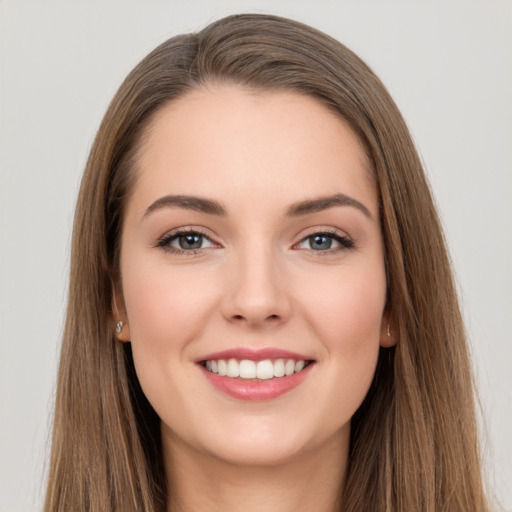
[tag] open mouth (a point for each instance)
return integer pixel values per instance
(260, 370)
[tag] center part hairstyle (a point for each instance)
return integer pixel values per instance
(413, 443)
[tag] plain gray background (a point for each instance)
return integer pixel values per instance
(448, 64)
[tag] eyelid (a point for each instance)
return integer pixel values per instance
(345, 241)
(163, 242)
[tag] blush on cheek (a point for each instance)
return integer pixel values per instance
(352, 316)
(168, 306)
(149, 317)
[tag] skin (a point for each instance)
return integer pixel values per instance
(256, 282)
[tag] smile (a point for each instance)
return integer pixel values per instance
(262, 370)
(255, 375)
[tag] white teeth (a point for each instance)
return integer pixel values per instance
(265, 369)
(289, 367)
(233, 369)
(223, 367)
(279, 368)
(247, 369)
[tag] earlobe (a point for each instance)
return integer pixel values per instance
(388, 332)
(122, 331)
(122, 328)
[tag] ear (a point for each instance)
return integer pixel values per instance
(119, 315)
(388, 330)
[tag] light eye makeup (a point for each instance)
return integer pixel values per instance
(191, 241)
(325, 242)
(185, 241)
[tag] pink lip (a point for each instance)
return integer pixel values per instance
(256, 390)
(254, 354)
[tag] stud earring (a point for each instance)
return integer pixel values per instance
(119, 327)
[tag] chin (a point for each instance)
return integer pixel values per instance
(258, 452)
(267, 443)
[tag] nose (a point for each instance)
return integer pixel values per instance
(257, 294)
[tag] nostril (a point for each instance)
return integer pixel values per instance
(271, 318)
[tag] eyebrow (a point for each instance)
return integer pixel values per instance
(197, 204)
(324, 203)
(211, 207)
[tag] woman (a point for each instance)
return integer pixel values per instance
(261, 311)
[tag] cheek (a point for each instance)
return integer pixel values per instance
(167, 310)
(165, 305)
(347, 319)
(348, 315)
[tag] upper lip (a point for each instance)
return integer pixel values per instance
(254, 354)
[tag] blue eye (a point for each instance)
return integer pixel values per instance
(320, 242)
(326, 242)
(185, 241)
(189, 241)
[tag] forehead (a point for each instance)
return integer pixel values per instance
(226, 140)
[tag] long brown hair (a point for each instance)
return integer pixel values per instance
(414, 438)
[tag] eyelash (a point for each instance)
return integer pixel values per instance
(345, 242)
(164, 242)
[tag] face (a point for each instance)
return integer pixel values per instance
(253, 280)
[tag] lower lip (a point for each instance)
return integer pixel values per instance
(256, 390)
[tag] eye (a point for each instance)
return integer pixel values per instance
(185, 241)
(325, 242)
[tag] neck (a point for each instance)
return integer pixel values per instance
(308, 482)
